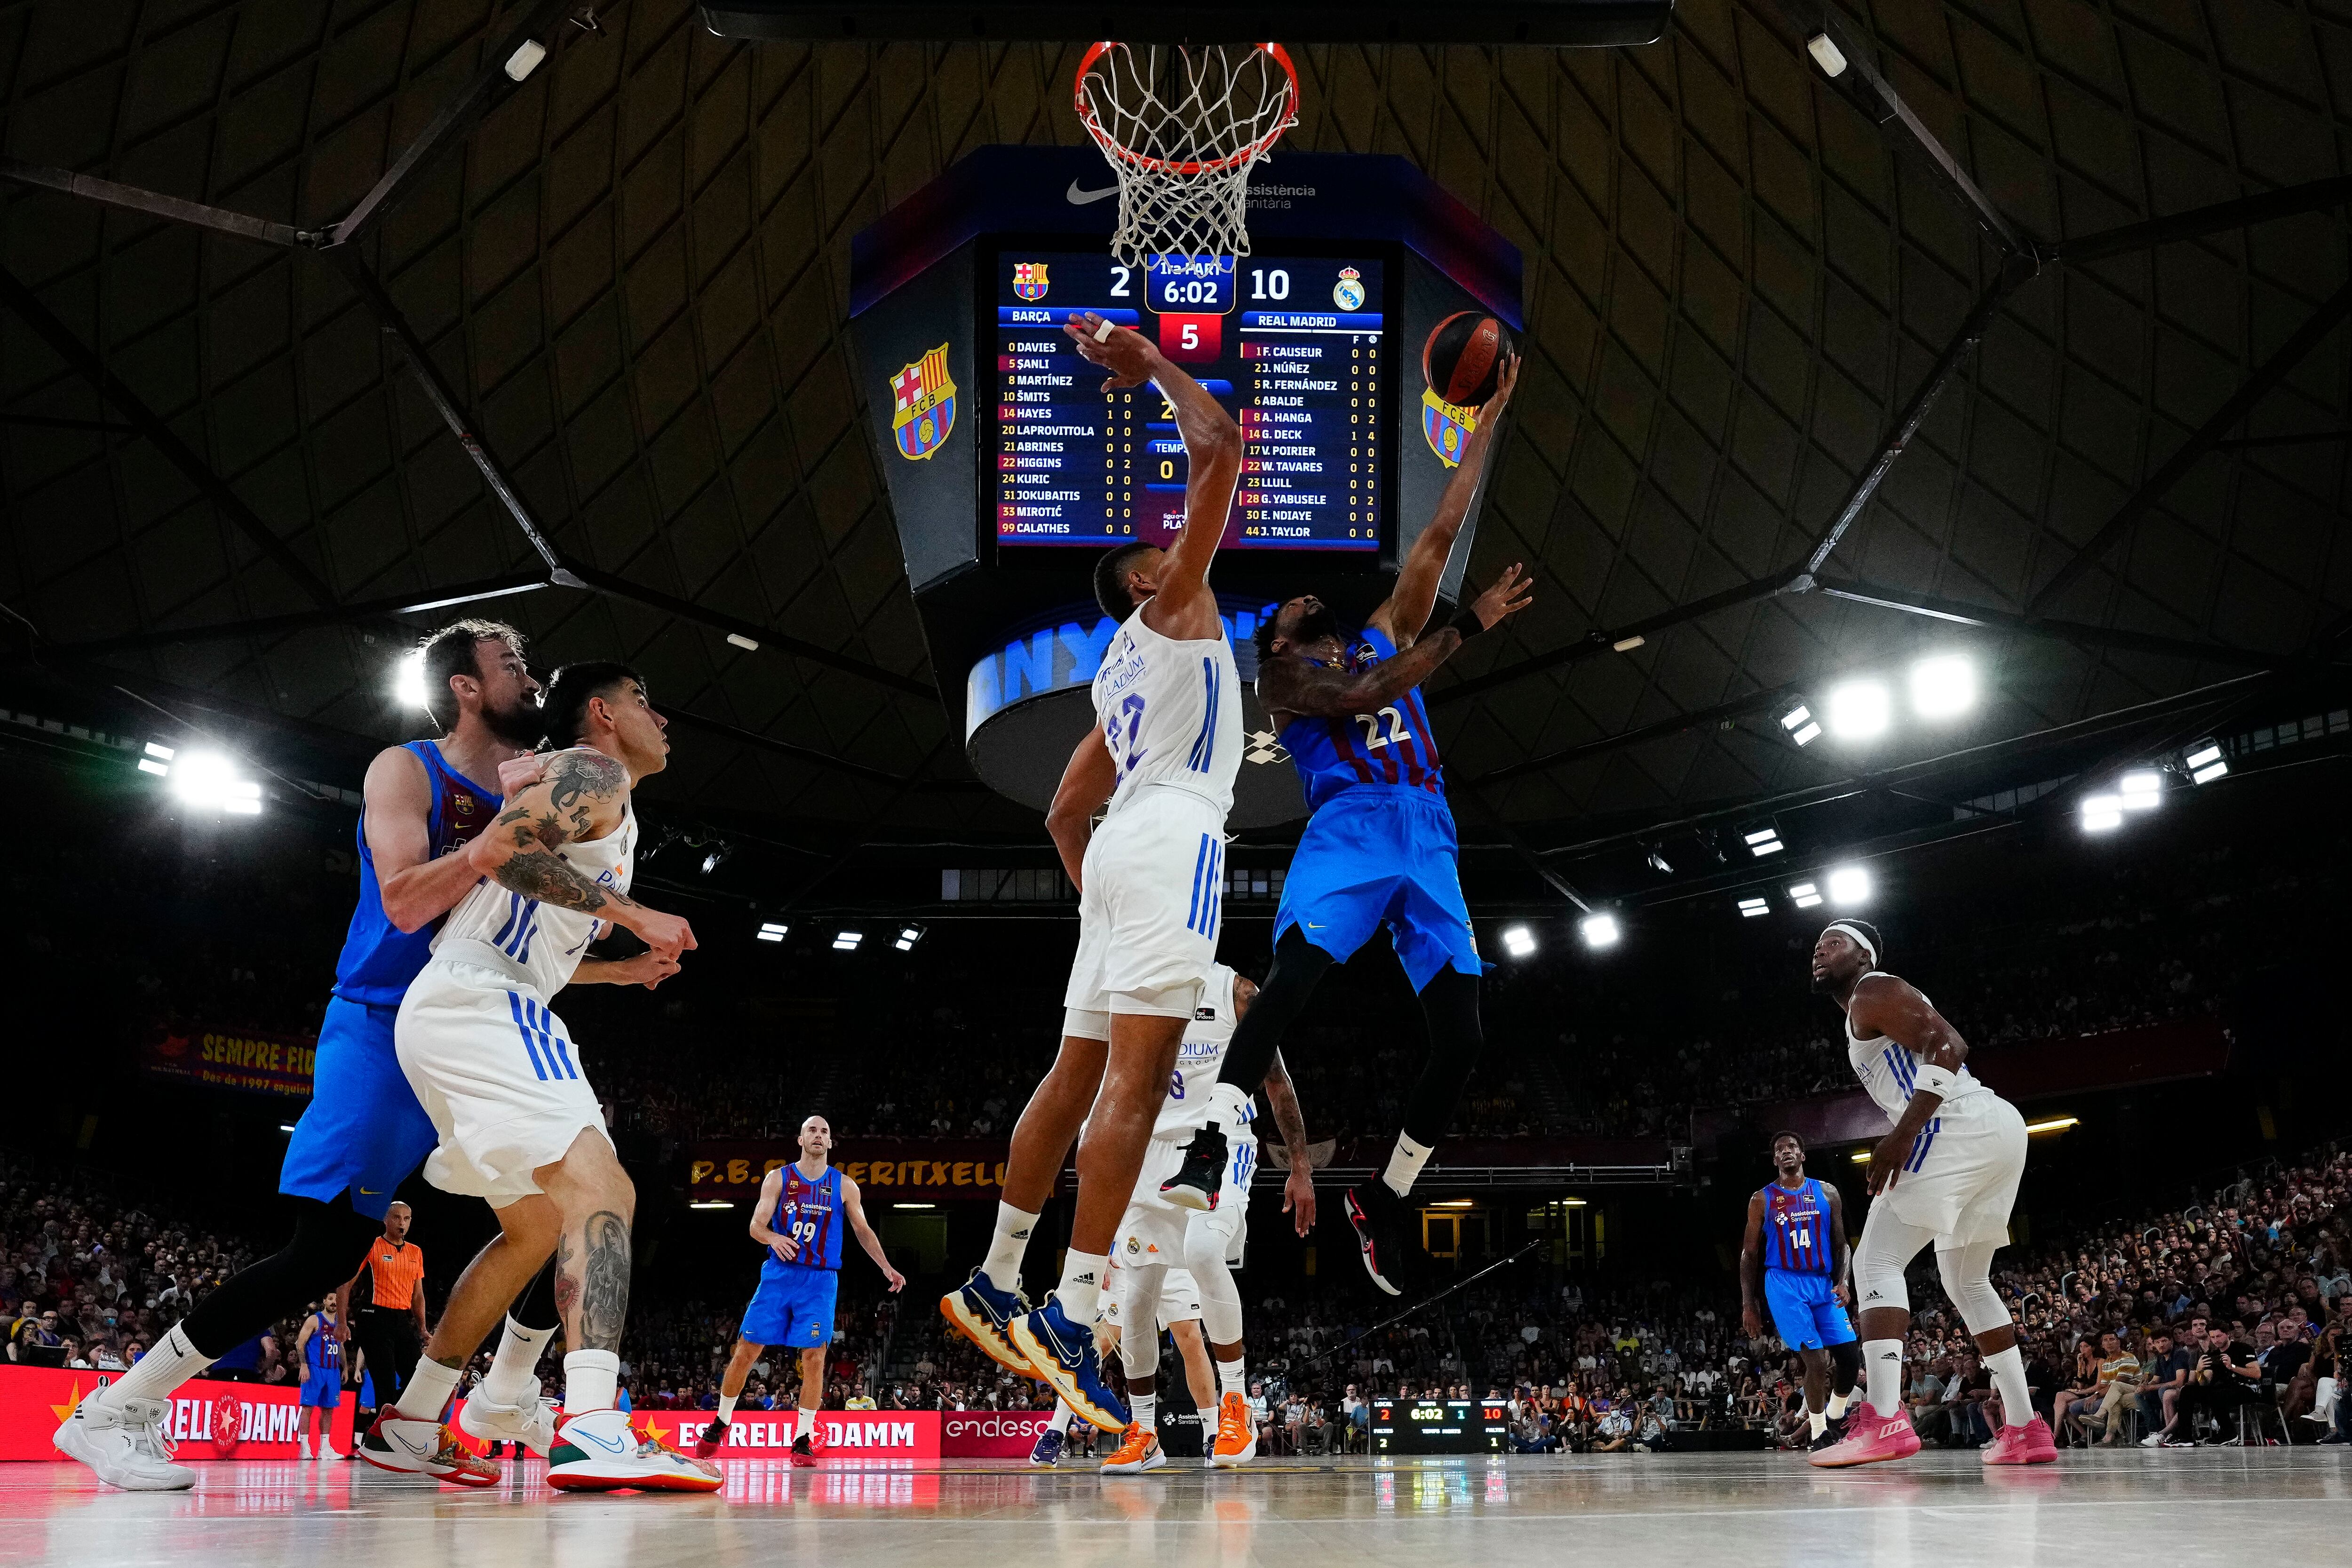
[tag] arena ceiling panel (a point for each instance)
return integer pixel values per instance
(631, 279)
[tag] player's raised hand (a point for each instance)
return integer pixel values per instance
(667, 935)
(1121, 350)
(1506, 380)
(1886, 1159)
(521, 773)
(1298, 1198)
(1512, 591)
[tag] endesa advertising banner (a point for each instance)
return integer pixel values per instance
(991, 1434)
(208, 1420)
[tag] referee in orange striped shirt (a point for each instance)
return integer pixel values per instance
(391, 1328)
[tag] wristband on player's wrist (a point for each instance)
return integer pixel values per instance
(1466, 622)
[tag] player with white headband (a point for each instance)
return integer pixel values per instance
(1947, 1174)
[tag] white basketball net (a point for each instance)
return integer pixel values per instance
(1182, 127)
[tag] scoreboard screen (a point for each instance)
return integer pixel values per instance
(1440, 1426)
(1294, 346)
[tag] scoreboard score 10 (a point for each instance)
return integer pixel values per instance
(1440, 1426)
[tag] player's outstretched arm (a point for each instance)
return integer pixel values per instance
(583, 797)
(1184, 607)
(1885, 1006)
(1752, 1270)
(647, 969)
(772, 1193)
(853, 1204)
(1298, 1187)
(1405, 613)
(1289, 685)
(1086, 783)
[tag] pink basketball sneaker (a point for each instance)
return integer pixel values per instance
(2028, 1444)
(1870, 1437)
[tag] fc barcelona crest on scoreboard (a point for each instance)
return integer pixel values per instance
(925, 404)
(1447, 426)
(1029, 281)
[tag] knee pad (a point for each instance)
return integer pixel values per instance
(1878, 1277)
(1966, 1275)
(1846, 1365)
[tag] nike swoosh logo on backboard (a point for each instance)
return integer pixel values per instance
(1079, 198)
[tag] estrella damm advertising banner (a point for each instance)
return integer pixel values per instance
(930, 1170)
(252, 1060)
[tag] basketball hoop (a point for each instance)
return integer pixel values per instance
(1183, 128)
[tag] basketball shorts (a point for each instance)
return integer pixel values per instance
(1149, 910)
(1805, 1310)
(1381, 855)
(324, 1388)
(496, 1072)
(1960, 1181)
(1153, 1229)
(792, 1306)
(363, 1131)
(1180, 1298)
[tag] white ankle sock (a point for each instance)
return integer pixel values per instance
(171, 1362)
(513, 1376)
(1081, 1286)
(2008, 1370)
(1233, 1377)
(1146, 1407)
(591, 1380)
(1882, 1362)
(727, 1406)
(1014, 1228)
(1838, 1402)
(1818, 1420)
(1062, 1416)
(429, 1390)
(1405, 1162)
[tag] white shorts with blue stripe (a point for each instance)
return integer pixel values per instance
(1149, 906)
(496, 1070)
(1959, 1181)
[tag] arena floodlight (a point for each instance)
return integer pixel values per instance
(2053, 1124)
(2143, 790)
(158, 759)
(1826, 54)
(1752, 907)
(720, 855)
(1805, 896)
(1762, 840)
(914, 1206)
(2204, 761)
(1799, 722)
(1943, 687)
(1518, 941)
(847, 940)
(1860, 710)
(906, 939)
(1600, 931)
(2102, 813)
(711, 1203)
(286, 1127)
(208, 778)
(408, 681)
(1849, 885)
(1660, 864)
(773, 931)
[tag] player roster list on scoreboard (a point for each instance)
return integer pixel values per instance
(1290, 345)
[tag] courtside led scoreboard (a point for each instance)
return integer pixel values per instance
(1440, 1426)
(1010, 469)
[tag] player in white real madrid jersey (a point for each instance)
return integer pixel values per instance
(497, 1071)
(1155, 1235)
(1946, 1174)
(1166, 744)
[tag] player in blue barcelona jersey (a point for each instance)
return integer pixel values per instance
(1380, 849)
(1793, 1260)
(802, 1210)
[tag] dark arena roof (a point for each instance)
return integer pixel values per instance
(2020, 337)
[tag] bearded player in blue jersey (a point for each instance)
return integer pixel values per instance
(1378, 851)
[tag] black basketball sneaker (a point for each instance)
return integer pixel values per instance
(1194, 1184)
(1379, 1217)
(1832, 1435)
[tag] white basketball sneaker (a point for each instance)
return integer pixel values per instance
(123, 1444)
(530, 1425)
(599, 1451)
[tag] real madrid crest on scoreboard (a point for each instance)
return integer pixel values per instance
(959, 293)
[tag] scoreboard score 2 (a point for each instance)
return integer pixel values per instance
(1440, 1426)
(1296, 347)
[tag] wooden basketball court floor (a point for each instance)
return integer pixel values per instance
(2272, 1506)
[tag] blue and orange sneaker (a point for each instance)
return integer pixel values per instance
(1062, 1353)
(982, 1314)
(1048, 1451)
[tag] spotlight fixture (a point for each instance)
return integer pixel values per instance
(711, 1203)
(1943, 687)
(208, 778)
(1518, 941)
(2054, 1124)
(720, 851)
(1599, 930)
(773, 931)
(286, 1127)
(1753, 906)
(1762, 840)
(2143, 789)
(408, 681)
(1826, 54)
(914, 1206)
(907, 937)
(2204, 761)
(1860, 1156)
(1658, 863)
(2102, 813)
(847, 940)
(1849, 885)
(1860, 710)
(158, 759)
(1801, 724)
(1805, 896)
